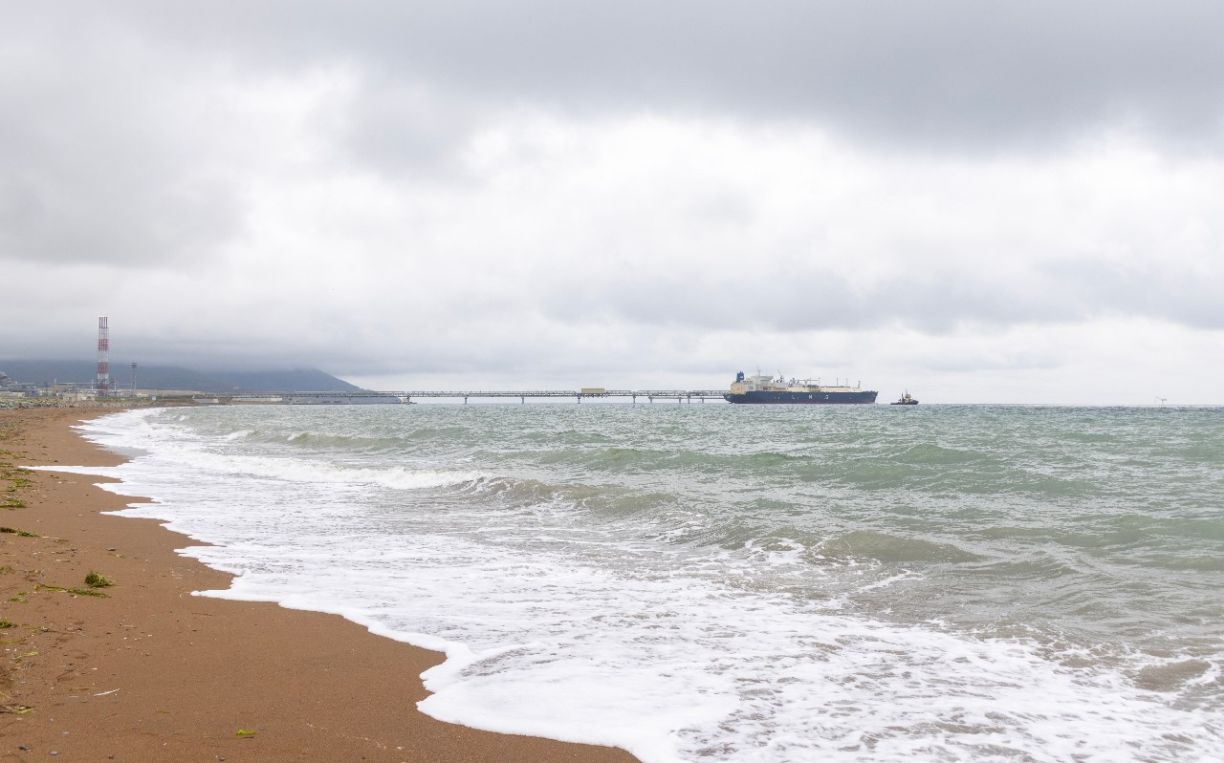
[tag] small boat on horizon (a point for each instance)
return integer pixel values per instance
(906, 399)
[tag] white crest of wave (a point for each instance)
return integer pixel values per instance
(299, 470)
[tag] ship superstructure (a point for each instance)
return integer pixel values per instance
(771, 390)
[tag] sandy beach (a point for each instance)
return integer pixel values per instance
(146, 671)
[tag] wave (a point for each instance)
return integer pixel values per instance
(628, 577)
(892, 548)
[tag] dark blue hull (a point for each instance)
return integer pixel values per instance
(762, 397)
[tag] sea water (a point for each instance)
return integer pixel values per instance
(708, 582)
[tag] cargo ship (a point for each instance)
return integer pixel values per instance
(768, 390)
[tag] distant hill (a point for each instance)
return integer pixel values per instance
(42, 372)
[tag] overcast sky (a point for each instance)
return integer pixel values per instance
(977, 201)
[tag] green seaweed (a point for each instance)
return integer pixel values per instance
(97, 580)
(74, 591)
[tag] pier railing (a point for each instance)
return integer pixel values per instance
(407, 396)
(687, 395)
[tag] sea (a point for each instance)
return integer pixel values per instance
(708, 582)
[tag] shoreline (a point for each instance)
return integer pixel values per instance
(149, 671)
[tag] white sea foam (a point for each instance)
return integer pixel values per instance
(93, 471)
(574, 632)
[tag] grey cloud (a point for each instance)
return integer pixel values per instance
(100, 161)
(947, 73)
(113, 217)
(937, 301)
(95, 154)
(1007, 360)
(405, 126)
(1148, 290)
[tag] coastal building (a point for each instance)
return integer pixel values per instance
(10, 387)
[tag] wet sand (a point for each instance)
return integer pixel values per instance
(149, 672)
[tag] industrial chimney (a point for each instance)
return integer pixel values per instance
(103, 381)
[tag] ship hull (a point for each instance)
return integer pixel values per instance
(765, 397)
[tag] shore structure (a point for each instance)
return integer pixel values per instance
(146, 671)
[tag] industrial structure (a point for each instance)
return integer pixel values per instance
(102, 384)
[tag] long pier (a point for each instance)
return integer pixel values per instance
(407, 396)
(680, 395)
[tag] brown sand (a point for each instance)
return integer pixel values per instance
(152, 673)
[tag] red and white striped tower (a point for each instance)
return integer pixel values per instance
(103, 381)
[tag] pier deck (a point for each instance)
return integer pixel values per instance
(649, 394)
(408, 396)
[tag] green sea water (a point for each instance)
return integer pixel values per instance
(713, 582)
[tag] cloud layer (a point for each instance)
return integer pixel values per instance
(549, 192)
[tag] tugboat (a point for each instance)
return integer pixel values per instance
(770, 391)
(905, 400)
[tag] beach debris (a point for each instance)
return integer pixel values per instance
(20, 532)
(73, 591)
(104, 693)
(7, 624)
(244, 733)
(97, 580)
